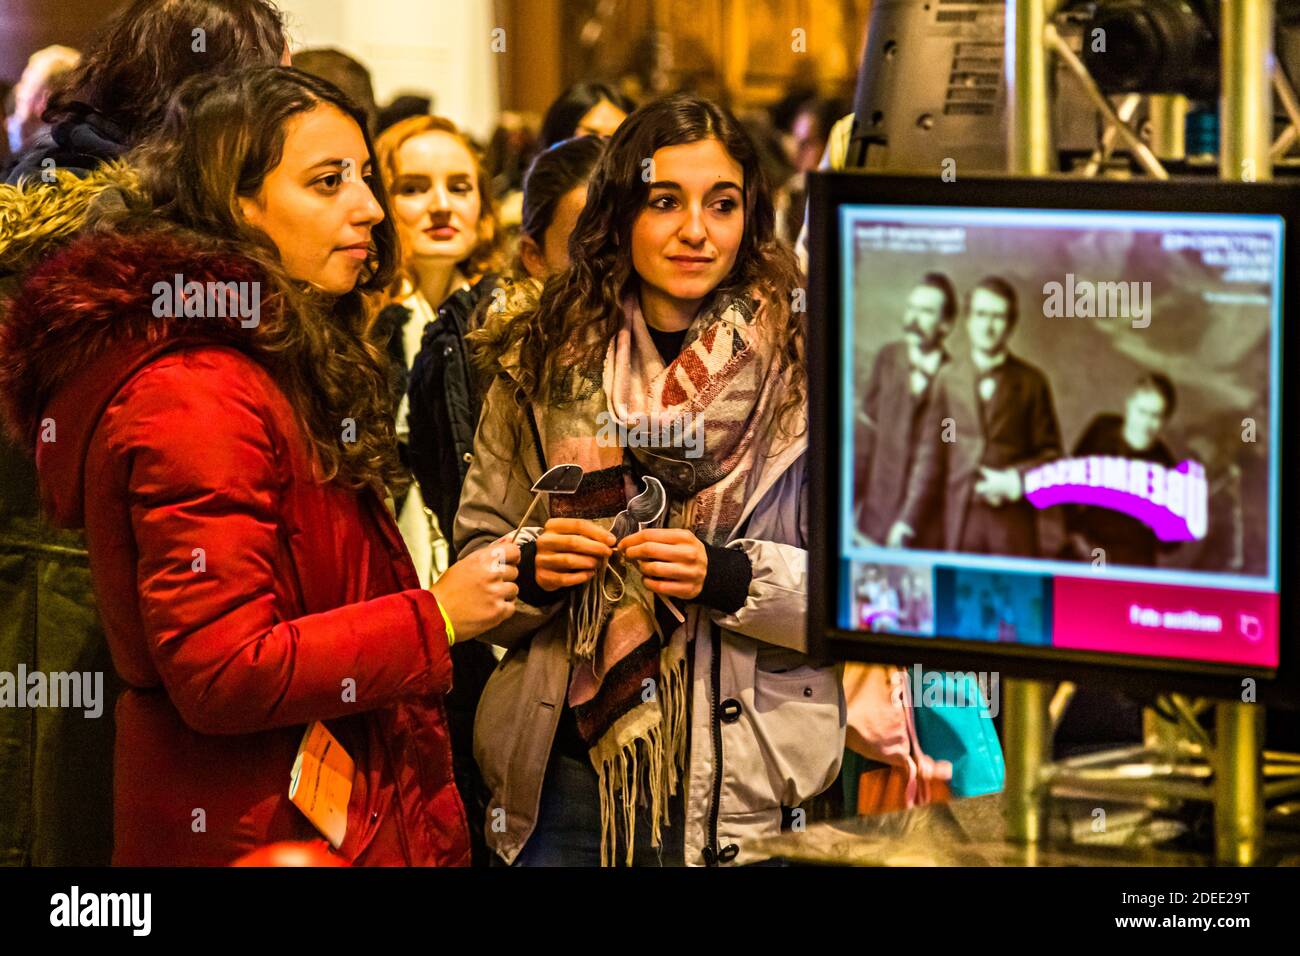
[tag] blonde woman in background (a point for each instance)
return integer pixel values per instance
(450, 253)
(447, 225)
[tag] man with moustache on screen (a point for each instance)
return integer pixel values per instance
(893, 410)
(990, 420)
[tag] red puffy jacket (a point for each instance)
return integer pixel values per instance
(241, 597)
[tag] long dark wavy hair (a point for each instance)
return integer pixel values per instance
(580, 309)
(149, 49)
(221, 138)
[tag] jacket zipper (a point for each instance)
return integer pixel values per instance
(453, 354)
(715, 728)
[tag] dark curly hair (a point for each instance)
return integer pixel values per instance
(580, 309)
(152, 46)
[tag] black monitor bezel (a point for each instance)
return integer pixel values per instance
(827, 192)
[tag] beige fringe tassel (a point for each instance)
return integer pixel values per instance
(658, 737)
(588, 614)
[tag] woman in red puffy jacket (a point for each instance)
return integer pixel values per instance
(193, 378)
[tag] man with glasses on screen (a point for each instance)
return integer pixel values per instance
(990, 419)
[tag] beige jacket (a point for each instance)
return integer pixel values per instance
(781, 746)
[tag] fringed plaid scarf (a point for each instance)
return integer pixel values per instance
(628, 685)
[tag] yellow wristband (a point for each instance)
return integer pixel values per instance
(446, 620)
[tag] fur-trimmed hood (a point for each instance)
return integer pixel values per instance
(36, 217)
(82, 309)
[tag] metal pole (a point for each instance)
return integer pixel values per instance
(1245, 133)
(1027, 728)
(1029, 105)
(1168, 116)
(1246, 99)
(1027, 720)
(1238, 787)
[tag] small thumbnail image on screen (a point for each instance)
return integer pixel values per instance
(994, 606)
(893, 598)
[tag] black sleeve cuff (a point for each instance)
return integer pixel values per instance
(530, 591)
(726, 582)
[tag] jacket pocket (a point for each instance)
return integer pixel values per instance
(498, 715)
(798, 717)
(514, 727)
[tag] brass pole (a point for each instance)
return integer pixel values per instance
(1245, 134)
(1168, 115)
(1027, 721)
(1027, 728)
(1238, 787)
(1246, 99)
(1029, 104)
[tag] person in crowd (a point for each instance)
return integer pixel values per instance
(585, 109)
(118, 94)
(990, 419)
(451, 255)
(555, 193)
(808, 133)
(916, 611)
(893, 410)
(675, 309)
(805, 140)
(834, 157)
(112, 100)
(201, 352)
(1102, 533)
(511, 148)
(404, 106)
(878, 604)
(347, 74)
(773, 157)
(44, 69)
(447, 228)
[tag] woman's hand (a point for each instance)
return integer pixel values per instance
(569, 550)
(672, 561)
(478, 592)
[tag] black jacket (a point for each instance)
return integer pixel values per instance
(56, 769)
(446, 396)
(80, 143)
(445, 399)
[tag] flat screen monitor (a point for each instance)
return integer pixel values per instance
(1049, 428)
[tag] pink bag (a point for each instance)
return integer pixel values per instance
(881, 728)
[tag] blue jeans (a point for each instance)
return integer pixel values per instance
(568, 823)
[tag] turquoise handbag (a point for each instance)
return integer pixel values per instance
(960, 730)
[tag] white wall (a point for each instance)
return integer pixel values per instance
(438, 47)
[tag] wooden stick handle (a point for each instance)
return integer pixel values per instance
(536, 498)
